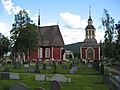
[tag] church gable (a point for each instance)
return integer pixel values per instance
(51, 36)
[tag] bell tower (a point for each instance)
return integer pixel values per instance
(90, 30)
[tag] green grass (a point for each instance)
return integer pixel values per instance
(84, 79)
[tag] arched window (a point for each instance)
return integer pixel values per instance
(47, 53)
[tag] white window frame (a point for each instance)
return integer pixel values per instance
(47, 53)
(40, 52)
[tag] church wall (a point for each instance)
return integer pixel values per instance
(84, 53)
(56, 53)
(34, 55)
(96, 53)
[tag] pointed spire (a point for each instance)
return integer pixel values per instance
(89, 12)
(39, 18)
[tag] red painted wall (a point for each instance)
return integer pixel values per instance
(34, 55)
(96, 53)
(56, 53)
(83, 53)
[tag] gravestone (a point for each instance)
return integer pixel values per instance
(48, 67)
(17, 65)
(102, 69)
(54, 67)
(26, 65)
(69, 80)
(39, 88)
(55, 85)
(40, 77)
(72, 71)
(37, 70)
(59, 78)
(5, 75)
(6, 70)
(19, 86)
(14, 76)
(89, 65)
(44, 66)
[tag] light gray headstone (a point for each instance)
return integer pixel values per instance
(72, 71)
(59, 78)
(40, 77)
(26, 65)
(19, 86)
(14, 76)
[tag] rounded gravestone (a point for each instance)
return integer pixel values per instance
(55, 85)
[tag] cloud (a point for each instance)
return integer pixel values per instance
(10, 8)
(72, 35)
(4, 29)
(99, 35)
(73, 30)
(73, 20)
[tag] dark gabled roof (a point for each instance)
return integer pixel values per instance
(50, 36)
(89, 27)
(90, 42)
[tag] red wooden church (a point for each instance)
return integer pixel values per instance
(90, 49)
(50, 43)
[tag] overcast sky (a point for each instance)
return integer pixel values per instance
(70, 15)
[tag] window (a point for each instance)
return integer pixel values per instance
(40, 52)
(47, 53)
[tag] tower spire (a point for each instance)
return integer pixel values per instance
(39, 18)
(89, 12)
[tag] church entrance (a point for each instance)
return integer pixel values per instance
(90, 54)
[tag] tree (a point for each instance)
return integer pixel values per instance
(4, 45)
(117, 27)
(24, 37)
(108, 24)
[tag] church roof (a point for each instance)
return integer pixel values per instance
(90, 42)
(89, 27)
(50, 36)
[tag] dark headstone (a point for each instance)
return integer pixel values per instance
(96, 65)
(55, 85)
(37, 70)
(102, 69)
(5, 75)
(44, 66)
(54, 67)
(17, 65)
(39, 88)
(6, 70)
(19, 86)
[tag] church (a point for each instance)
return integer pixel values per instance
(51, 44)
(90, 49)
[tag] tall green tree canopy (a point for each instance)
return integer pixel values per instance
(108, 24)
(23, 34)
(117, 27)
(4, 45)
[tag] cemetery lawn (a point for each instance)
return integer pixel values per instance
(85, 79)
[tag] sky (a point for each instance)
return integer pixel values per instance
(70, 15)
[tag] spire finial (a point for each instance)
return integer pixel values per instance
(39, 18)
(89, 11)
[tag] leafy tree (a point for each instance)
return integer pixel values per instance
(24, 37)
(118, 39)
(108, 24)
(4, 45)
